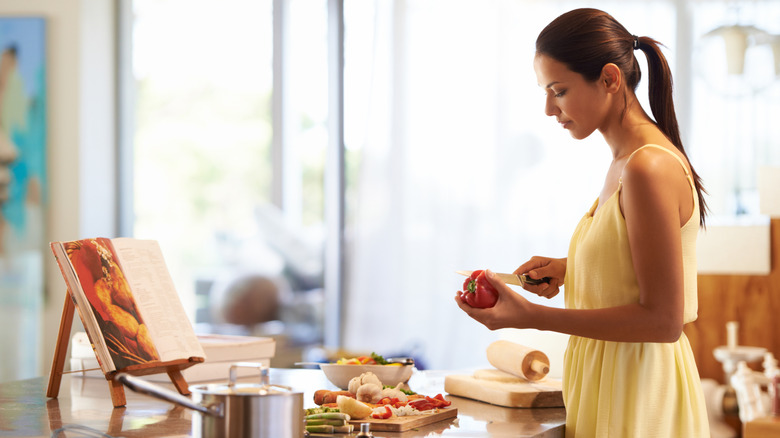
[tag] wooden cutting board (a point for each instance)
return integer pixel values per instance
(400, 424)
(502, 389)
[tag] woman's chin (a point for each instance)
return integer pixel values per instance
(579, 134)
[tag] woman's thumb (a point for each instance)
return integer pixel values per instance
(538, 273)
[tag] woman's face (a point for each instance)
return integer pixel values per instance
(578, 105)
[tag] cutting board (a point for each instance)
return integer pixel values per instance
(502, 389)
(400, 424)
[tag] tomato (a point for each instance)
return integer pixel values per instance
(478, 292)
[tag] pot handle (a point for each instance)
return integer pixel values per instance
(234, 372)
(141, 386)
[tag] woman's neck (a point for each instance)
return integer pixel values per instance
(631, 129)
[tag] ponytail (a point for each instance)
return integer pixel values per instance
(662, 106)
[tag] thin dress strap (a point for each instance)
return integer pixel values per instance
(682, 163)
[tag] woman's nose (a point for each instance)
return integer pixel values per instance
(550, 108)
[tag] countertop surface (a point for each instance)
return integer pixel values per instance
(765, 427)
(84, 408)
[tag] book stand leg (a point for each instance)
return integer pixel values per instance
(117, 393)
(179, 382)
(58, 364)
(116, 389)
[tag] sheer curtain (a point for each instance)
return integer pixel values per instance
(459, 167)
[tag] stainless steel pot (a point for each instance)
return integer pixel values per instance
(234, 409)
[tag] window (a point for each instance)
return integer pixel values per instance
(207, 183)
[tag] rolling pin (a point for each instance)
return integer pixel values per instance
(518, 360)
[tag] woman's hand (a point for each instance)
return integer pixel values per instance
(540, 267)
(511, 309)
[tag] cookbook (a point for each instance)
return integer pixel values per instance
(127, 301)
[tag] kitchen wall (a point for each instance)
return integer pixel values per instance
(752, 300)
(81, 135)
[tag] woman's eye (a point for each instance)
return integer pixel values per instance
(560, 94)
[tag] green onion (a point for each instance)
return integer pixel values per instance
(320, 428)
(320, 410)
(320, 421)
(329, 415)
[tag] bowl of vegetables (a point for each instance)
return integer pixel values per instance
(390, 372)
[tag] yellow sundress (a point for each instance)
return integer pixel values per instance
(627, 389)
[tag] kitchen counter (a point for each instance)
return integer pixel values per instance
(765, 427)
(84, 404)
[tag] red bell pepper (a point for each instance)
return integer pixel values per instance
(427, 403)
(441, 401)
(384, 415)
(392, 401)
(421, 404)
(478, 292)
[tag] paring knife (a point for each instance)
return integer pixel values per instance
(520, 280)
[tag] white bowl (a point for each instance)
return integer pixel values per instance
(341, 374)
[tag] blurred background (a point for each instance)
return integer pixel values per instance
(322, 187)
(448, 162)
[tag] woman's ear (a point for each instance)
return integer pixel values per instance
(611, 77)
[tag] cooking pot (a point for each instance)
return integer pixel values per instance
(234, 409)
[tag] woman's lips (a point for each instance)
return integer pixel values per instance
(564, 124)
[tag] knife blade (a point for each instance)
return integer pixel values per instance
(519, 280)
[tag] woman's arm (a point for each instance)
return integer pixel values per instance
(653, 196)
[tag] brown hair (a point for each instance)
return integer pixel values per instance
(586, 40)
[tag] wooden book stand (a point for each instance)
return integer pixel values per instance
(117, 390)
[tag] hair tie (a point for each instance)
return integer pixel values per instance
(636, 42)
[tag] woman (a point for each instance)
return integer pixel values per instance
(630, 274)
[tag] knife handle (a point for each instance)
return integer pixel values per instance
(531, 281)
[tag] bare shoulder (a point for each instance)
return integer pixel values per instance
(654, 182)
(657, 166)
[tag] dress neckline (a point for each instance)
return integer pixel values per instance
(594, 209)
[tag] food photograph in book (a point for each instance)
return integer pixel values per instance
(112, 303)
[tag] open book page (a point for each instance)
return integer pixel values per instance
(157, 299)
